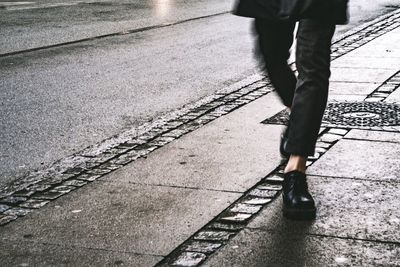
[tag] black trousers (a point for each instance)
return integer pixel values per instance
(306, 94)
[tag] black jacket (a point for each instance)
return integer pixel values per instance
(272, 10)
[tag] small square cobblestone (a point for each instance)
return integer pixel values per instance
(213, 235)
(172, 124)
(245, 208)
(4, 219)
(315, 156)
(34, 203)
(135, 154)
(320, 150)
(51, 181)
(12, 200)
(323, 144)
(39, 187)
(330, 138)
(127, 145)
(20, 212)
(256, 200)
(49, 195)
(115, 151)
(234, 217)
(201, 246)
(257, 192)
(111, 165)
(75, 183)
(97, 171)
(143, 146)
(234, 227)
(101, 158)
(161, 141)
(175, 133)
(75, 170)
(4, 207)
(269, 186)
(275, 179)
(189, 259)
(120, 160)
(63, 188)
(380, 94)
(88, 177)
(24, 193)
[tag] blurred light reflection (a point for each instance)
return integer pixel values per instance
(162, 7)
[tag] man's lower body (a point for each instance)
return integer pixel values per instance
(306, 97)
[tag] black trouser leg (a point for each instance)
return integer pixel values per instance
(309, 102)
(274, 41)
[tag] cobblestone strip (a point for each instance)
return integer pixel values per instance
(39, 188)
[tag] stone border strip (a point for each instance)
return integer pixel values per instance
(38, 189)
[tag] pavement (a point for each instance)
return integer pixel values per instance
(204, 189)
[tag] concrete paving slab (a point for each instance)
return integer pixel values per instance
(232, 153)
(361, 75)
(373, 136)
(26, 253)
(264, 248)
(351, 61)
(345, 88)
(385, 46)
(343, 98)
(346, 208)
(360, 159)
(382, 51)
(124, 218)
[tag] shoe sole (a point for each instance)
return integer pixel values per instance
(296, 214)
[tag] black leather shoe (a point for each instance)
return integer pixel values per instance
(282, 146)
(298, 204)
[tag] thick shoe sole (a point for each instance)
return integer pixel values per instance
(299, 214)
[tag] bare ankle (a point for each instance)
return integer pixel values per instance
(296, 163)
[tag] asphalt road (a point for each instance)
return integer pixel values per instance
(56, 101)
